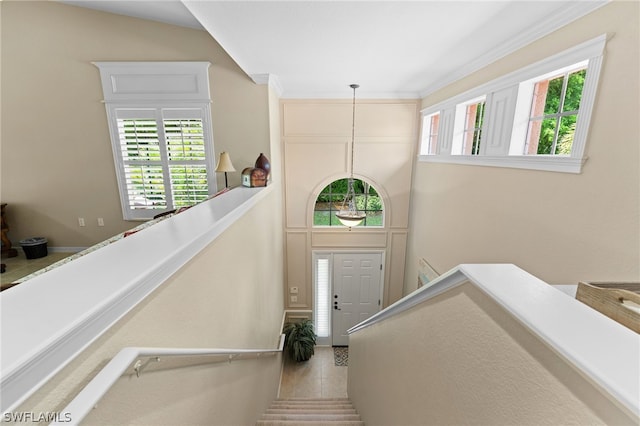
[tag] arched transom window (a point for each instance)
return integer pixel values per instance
(331, 197)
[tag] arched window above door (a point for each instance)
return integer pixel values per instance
(331, 197)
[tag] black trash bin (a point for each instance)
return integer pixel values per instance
(34, 248)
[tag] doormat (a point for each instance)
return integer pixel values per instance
(341, 355)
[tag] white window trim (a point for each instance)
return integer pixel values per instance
(591, 51)
(158, 86)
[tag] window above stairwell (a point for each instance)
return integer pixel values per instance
(160, 125)
(554, 107)
(330, 200)
(536, 117)
(429, 143)
(468, 127)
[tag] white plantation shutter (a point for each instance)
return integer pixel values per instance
(165, 160)
(142, 163)
(322, 295)
(145, 187)
(186, 155)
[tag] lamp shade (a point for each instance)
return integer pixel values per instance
(224, 163)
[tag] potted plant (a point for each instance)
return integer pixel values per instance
(300, 339)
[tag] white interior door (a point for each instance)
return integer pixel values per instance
(357, 291)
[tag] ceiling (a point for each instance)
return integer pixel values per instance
(393, 49)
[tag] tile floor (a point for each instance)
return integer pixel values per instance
(316, 378)
(20, 266)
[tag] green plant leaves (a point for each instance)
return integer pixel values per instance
(300, 339)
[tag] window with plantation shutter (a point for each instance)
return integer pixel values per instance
(164, 160)
(160, 124)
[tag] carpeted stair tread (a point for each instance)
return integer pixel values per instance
(311, 412)
(312, 402)
(315, 400)
(303, 410)
(310, 416)
(309, 423)
(313, 406)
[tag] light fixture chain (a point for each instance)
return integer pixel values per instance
(353, 126)
(349, 214)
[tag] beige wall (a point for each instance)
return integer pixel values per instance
(228, 296)
(459, 358)
(57, 162)
(560, 227)
(317, 148)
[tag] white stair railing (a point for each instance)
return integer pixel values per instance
(134, 358)
(600, 348)
(41, 341)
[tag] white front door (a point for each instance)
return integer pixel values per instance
(357, 291)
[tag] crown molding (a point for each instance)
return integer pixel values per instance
(570, 12)
(345, 95)
(270, 80)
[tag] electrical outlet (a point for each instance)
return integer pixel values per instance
(100, 221)
(293, 290)
(294, 299)
(81, 221)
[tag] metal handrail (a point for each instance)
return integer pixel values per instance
(89, 396)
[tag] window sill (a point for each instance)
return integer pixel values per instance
(531, 162)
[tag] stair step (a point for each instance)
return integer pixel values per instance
(311, 416)
(309, 423)
(312, 401)
(312, 406)
(302, 410)
(311, 412)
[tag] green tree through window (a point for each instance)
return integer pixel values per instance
(554, 113)
(331, 197)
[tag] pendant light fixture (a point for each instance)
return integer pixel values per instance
(349, 214)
